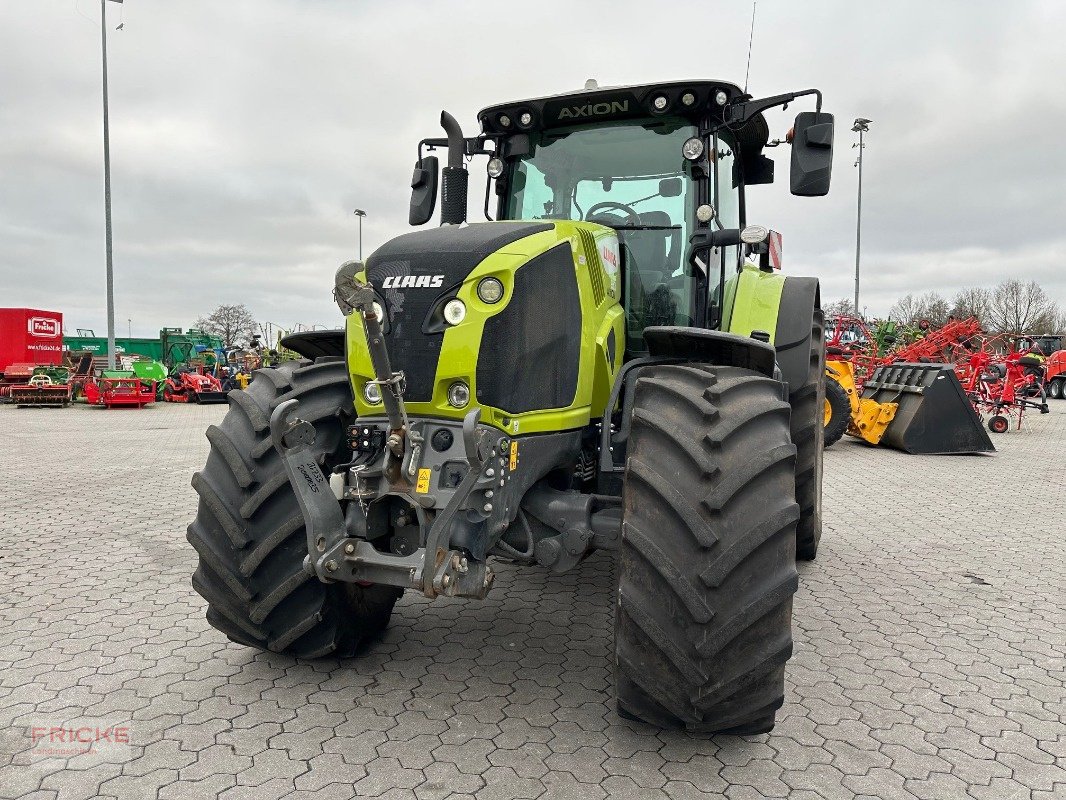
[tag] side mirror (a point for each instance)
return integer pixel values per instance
(670, 187)
(423, 190)
(812, 154)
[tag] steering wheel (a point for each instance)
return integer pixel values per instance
(633, 216)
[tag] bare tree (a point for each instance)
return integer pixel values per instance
(906, 310)
(972, 302)
(1016, 307)
(934, 308)
(840, 308)
(233, 324)
(910, 310)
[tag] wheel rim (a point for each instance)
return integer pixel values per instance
(828, 413)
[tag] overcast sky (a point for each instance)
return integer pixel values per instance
(244, 132)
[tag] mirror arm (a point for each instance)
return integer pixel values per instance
(742, 112)
(471, 147)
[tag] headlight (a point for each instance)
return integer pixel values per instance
(372, 393)
(494, 167)
(720, 97)
(692, 148)
(660, 103)
(454, 311)
(458, 394)
(490, 290)
(753, 234)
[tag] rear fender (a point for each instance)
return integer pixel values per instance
(782, 306)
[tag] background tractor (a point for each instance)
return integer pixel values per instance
(595, 366)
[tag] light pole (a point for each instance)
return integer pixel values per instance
(861, 126)
(360, 213)
(107, 197)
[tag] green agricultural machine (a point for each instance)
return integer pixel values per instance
(595, 366)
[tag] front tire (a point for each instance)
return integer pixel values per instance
(249, 530)
(707, 558)
(837, 411)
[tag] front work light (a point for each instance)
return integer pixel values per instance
(454, 311)
(458, 394)
(490, 290)
(692, 149)
(372, 393)
(494, 167)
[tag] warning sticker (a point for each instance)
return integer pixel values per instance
(423, 480)
(514, 455)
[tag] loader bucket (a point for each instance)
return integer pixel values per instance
(934, 415)
(209, 397)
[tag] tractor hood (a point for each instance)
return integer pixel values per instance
(533, 348)
(416, 274)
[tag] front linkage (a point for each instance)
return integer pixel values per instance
(396, 468)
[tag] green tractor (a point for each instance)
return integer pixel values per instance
(595, 366)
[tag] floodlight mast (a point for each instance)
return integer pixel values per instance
(861, 126)
(107, 196)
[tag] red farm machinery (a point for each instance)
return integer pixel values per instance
(188, 385)
(119, 390)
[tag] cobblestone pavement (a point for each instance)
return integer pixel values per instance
(929, 647)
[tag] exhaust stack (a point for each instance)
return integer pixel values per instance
(454, 177)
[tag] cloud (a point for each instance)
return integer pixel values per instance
(244, 133)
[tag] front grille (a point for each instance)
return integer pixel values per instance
(450, 253)
(530, 351)
(592, 262)
(410, 351)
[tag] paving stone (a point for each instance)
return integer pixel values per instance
(911, 679)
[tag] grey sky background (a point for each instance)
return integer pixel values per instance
(244, 132)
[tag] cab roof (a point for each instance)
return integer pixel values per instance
(691, 99)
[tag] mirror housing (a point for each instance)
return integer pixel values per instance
(812, 154)
(423, 191)
(670, 187)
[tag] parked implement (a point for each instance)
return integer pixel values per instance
(118, 389)
(593, 370)
(933, 414)
(847, 412)
(47, 387)
(186, 385)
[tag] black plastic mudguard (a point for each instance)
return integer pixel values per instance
(711, 347)
(315, 344)
(792, 339)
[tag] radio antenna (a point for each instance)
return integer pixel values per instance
(751, 38)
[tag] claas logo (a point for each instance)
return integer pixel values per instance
(44, 326)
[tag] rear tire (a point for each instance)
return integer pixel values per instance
(707, 569)
(808, 434)
(249, 530)
(1055, 388)
(839, 408)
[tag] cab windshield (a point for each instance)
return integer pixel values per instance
(632, 177)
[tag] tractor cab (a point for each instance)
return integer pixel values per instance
(662, 165)
(629, 176)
